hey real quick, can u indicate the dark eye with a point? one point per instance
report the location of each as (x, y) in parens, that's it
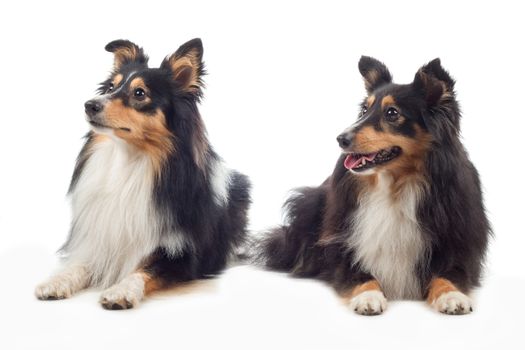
(110, 88)
(139, 93)
(391, 114)
(364, 110)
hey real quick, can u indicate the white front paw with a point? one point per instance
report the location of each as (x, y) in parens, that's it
(54, 289)
(371, 302)
(453, 303)
(65, 284)
(124, 295)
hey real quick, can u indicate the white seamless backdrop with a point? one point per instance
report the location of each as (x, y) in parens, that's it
(282, 83)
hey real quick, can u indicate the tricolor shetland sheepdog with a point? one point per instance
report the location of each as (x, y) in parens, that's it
(401, 216)
(152, 203)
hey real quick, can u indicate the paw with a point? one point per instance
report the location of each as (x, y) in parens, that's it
(119, 298)
(371, 302)
(125, 295)
(453, 303)
(63, 285)
(54, 289)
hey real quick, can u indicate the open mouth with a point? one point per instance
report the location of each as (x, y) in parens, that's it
(361, 161)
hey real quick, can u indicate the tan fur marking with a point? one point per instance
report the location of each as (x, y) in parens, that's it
(409, 166)
(439, 286)
(370, 100)
(365, 184)
(180, 62)
(370, 181)
(388, 100)
(187, 288)
(370, 285)
(411, 161)
(371, 78)
(180, 65)
(147, 132)
(364, 287)
(369, 140)
(428, 80)
(124, 53)
(117, 79)
(151, 284)
(385, 125)
(99, 138)
(446, 92)
(137, 82)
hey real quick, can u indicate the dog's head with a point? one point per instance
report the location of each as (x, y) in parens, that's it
(391, 132)
(136, 103)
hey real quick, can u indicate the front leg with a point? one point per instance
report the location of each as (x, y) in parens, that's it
(366, 298)
(446, 298)
(64, 284)
(161, 270)
(130, 291)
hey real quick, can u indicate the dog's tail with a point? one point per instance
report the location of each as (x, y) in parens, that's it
(273, 250)
(268, 250)
(244, 254)
(285, 248)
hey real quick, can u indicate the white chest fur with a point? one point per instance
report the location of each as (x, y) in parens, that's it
(115, 223)
(386, 238)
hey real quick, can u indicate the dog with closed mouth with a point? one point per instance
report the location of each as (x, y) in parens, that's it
(152, 202)
(401, 216)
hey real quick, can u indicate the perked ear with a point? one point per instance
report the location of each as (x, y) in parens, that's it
(186, 65)
(374, 73)
(434, 82)
(126, 52)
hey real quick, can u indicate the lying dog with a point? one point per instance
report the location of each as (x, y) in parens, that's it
(153, 204)
(401, 216)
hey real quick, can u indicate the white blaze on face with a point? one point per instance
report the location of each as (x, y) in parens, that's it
(123, 83)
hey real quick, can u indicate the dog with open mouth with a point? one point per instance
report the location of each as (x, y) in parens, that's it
(153, 204)
(401, 216)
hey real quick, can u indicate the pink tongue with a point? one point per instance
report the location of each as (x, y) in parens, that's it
(352, 161)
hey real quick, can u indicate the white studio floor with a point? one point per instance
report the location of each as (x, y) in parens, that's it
(246, 308)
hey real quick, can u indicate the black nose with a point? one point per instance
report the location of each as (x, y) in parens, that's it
(92, 107)
(345, 140)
